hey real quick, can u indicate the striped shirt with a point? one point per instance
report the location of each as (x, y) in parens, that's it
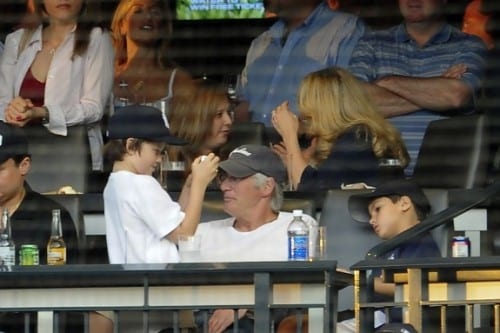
(275, 67)
(394, 52)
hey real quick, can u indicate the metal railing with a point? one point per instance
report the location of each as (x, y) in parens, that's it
(259, 286)
(469, 283)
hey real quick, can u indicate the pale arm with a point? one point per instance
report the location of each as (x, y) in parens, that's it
(185, 193)
(287, 125)
(383, 288)
(202, 173)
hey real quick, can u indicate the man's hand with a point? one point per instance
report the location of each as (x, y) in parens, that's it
(455, 71)
(222, 319)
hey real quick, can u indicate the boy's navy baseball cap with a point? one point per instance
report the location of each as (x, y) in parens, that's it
(13, 142)
(248, 160)
(358, 203)
(141, 122)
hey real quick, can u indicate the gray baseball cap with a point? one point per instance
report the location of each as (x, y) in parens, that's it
(248, 160)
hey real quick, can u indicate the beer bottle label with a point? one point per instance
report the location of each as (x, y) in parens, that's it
(56, 256)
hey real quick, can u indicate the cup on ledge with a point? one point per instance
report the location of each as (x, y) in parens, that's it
(319, 251)
(189, 248)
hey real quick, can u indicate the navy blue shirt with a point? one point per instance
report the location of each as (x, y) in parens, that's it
(351, 160)
(421, 247)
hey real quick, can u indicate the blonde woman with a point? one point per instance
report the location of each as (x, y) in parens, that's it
(144, 74)
(348, 137)
(201, 118)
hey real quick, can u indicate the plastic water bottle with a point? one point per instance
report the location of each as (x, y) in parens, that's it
(298, 237)
(7, 246)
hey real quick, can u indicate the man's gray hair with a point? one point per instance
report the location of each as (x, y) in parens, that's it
(277, 195)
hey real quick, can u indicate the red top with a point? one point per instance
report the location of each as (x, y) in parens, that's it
(33, 89)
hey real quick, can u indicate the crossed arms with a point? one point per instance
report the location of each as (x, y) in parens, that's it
(398, 95)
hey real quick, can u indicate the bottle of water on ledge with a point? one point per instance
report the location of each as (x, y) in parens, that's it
(7, 246)
(298, 237)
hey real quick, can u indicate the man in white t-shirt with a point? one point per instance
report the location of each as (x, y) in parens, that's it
(251, 180)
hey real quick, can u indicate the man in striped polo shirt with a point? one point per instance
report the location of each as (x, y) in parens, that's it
(421, 70)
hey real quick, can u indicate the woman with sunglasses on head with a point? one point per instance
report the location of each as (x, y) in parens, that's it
(56, 72)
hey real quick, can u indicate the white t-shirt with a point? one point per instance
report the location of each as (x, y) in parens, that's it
(220, 241)
(139, 214)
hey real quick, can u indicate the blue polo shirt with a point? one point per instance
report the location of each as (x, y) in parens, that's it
(275, 67)
(394, 52)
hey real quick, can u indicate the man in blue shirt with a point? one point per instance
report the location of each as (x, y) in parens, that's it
(308, 36)
(421, 70)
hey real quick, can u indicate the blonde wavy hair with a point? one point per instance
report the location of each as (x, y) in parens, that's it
(191, 115)
(332, 101)
(120, 41)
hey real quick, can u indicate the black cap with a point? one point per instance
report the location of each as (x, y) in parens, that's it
(248, 160)
(358, 203)
(141, 122)
(13, 142)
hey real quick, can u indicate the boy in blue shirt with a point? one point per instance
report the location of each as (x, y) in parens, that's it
(392, 208)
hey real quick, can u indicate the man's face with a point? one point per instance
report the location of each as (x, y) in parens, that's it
(385, 217)
(240, 194)
(12, 178)
(416, 11)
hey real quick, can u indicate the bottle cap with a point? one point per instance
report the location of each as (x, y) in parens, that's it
(297, 212)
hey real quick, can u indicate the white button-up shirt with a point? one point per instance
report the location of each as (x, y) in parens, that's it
(76, 90)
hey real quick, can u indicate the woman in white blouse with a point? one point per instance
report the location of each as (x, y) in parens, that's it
(57, 71)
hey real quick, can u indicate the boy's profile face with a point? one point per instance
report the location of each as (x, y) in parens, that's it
(148, 158)
(386, 216)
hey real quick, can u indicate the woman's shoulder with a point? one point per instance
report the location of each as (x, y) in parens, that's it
(100, 39)
(182, 76)
(99, 32)
(15, 34)
(183, 81)
(23, 33)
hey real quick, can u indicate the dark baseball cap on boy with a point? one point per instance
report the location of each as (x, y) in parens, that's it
(248, 160)
(13, 142)
(141, 122)
(358, 203)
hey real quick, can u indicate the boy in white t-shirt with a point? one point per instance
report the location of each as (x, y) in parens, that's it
(142, 222)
